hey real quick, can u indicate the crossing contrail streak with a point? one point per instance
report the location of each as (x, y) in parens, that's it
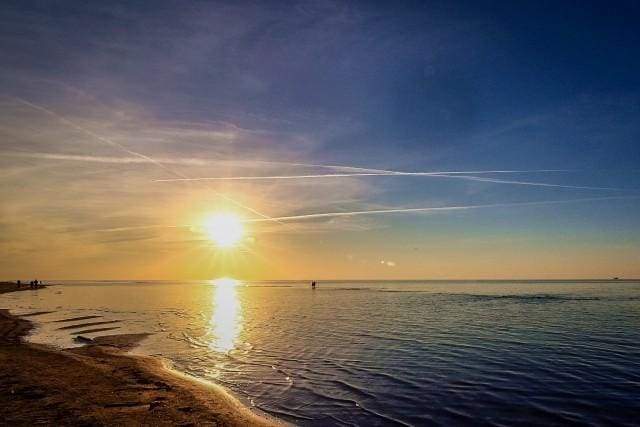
(454, 175)
(205, 162)
(390, 211)
(272, 177)
(121, 147)
(436, 209)
(394, 172)
(373, 172)
(536, 184)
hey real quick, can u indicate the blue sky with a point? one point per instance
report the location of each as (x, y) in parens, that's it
(422, 86)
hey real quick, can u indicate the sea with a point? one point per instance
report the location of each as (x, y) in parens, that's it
(368, 353)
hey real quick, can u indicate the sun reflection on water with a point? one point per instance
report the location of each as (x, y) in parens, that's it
(226, 320)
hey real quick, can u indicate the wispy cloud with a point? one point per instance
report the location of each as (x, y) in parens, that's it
(121, 147)
(104, 159)
(90, 133)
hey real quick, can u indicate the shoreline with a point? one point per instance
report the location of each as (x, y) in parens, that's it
(101, 384)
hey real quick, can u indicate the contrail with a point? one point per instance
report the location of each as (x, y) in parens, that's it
(131, 152)
(357, 169)
(205, 162)
(394, 172)
(271, 177)
(373, 172)
(390, 211)
(454, 175)
(536, 184)
(435, 209)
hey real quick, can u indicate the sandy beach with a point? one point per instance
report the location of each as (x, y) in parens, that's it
(99, 384)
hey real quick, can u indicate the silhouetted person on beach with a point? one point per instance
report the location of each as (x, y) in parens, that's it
(313, 284)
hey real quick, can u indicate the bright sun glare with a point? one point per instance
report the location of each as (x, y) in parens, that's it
(224, 229)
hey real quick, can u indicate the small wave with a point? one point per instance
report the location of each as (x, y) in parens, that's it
(326, 397)
(387, 418)
(353, 388)
(192, 341)
(533, 299)
(404, 291)
(285, 414)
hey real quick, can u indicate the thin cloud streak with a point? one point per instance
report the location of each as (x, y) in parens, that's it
(388, 211)
(536, 184)
(202, 162)
(438, 209)
(205, 162)
(140, 227)
(101, 159)
(454, 175)
(272, 177)
(374, 172)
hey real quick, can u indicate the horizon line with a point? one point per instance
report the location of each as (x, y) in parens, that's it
(558, 279)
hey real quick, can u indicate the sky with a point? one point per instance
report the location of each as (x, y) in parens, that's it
(518, 121)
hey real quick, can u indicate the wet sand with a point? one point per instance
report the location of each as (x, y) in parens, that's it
(99, 384)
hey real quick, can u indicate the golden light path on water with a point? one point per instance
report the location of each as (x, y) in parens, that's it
(226, 318)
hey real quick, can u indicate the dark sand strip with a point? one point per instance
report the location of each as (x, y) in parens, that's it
(74, 319)
(98, 385)
(84, 325)
(91, 331)
(37, 313)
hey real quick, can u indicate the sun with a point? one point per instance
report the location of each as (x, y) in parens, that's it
(224, 229)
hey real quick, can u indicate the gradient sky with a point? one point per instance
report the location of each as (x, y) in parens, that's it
(98, 100)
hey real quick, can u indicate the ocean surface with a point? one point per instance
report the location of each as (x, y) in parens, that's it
(379, 353)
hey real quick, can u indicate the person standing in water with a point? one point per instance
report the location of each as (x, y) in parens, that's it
(313, 284)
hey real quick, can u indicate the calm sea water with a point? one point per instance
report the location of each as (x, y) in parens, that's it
(380, 353)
